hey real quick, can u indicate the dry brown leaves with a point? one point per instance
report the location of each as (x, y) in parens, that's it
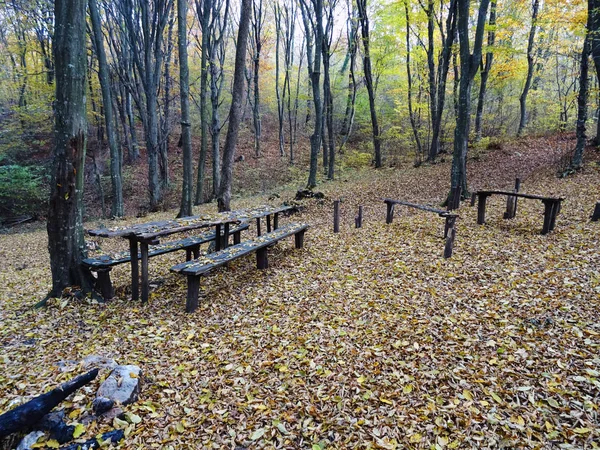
(365, 339)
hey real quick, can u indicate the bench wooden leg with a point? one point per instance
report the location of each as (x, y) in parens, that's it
(135, 274)
(193, 286)
(258, 233)
(473, 198)
(262, 261)
(237, 237)
(188, 254)
(299, 237)
(596, 214)
(481, 209)
(145, 282)
(390, 213)
(196, 251)
(218, 240)
(276, 221)
(268, 224)
(225, 236)
(555, 211)
(104, 284)
(548, 210)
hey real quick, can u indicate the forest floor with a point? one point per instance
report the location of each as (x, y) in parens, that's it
(363, 339)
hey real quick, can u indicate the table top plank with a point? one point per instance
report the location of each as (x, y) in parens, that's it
(152, 230)
(520, 194)
(440, 212)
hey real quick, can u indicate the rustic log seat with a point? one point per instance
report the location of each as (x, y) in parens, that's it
(103, 264)
(449, 227)
(207, 263)
(551, 207)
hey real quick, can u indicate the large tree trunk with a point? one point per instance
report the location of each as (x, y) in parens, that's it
(469, 64)
(235, 113)
(104, 77)
(184, 93)
(530, 67)
(315, 77)
(411, 114)
(593, 30)
(65, 221)
(364, 22)
(348, 121)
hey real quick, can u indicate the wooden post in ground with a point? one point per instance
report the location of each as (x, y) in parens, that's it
(390, 212)
(511, 202)
(449, 242)
(358, 219)
(145, 283)
(549, 208)
(481, 209)
(135, 271)
(336, 216)
(596, 214)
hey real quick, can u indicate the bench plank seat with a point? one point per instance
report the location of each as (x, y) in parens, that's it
(102, 264)
(207, 263)
(440, 212)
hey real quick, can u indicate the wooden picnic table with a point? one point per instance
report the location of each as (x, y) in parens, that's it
(142, 235)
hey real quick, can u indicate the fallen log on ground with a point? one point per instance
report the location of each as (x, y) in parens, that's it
(30, 413)
(115, 436)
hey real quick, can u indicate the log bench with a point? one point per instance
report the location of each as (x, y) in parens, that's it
(103, 264)
(207, 263)
(450, 220)
(552, 207)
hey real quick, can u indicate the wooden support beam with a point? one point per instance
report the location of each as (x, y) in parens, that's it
(237, 237)
(258, 232)
(268, 224)
(145, 283)
(548, 212)
(262, 261)
(276, 221)
(135, 274)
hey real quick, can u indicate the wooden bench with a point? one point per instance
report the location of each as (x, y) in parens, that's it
(103, 264)
(207, 263)
(450, 218)
(552, 207)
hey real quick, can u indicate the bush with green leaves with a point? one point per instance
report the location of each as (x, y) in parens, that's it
(23, 190)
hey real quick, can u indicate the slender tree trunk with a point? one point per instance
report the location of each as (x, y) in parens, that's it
(203, 9)
(530, 67)
(485, 70)
(594, 37)
(184, 92)
(582, 98)
(235, 113)
(103, 75)
(257, 23)
(364, 22)
(65, 218)
(280, 105)
(411, 113)
(348, 121)
(443, 69)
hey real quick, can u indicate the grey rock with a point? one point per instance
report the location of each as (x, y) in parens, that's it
(102, 404)
(28, 441)
(120, 386)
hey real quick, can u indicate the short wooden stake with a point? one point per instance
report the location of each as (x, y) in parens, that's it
(481, 209)
(358, 219)
(390, 212)
(449, 243)
(299, 237)
(596, 214)
(336, 216)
